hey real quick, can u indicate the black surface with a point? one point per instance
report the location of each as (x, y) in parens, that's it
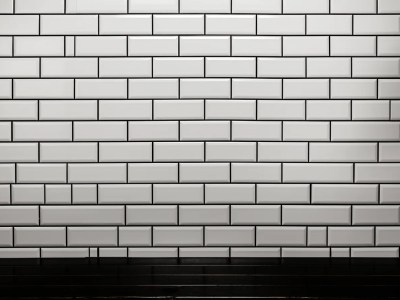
(199, 278)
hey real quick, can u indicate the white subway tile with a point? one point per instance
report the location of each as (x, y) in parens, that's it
(203, 46)
(178, 67)
(178, 110)
(67, 110)
(230, 67)
(153, 6)
(257, 88)
(18, 152)
(256, 214)
(329, 67)
(350, 236)
(82, 215)
(371, 215)
(344, 194)
(256, 172)
(177, 236)
(282, 152)
(153, 88)
(281, 67)
(353, 6)
(178, 193)
(376, 67)
(153, 131)
(19, 215)
(100, 131)
(6, 46)
(203, 172)
(281, 236)
(125, 110)
(39, 6)
(232, 151)
(353, 88)
(204, 130)
(5, 131)
(255, 46)
(68, 152)
(95, 6)
(92, 236)
(376, 24)
(40, 236)
(230, 193)
(317, 173)
(101, 88)
(329, 110)
(305, 6)
(230, 109)
(125, 151)
(306, 131)
(124, 193)
(41, 173)
(343, 152)
(204, 215)
(178, 24)
(389, 152)
(69, 67)
(388, 6)
(256, 6)
(329, 25)
(125, 67)
(19, 67)
(7, 6)
(28, 194)
(353, 45)
(229, 236)
(178, 151)
(101, 46)
(389, 89)
(205, 88)
(376, 173)
(316, 215)
(388, 46)
(42, 131)
(151, 215)
(205, 6)
(306, 46)
(153, 173)
(69, 25)
(365, 131)
(97, 173)
(43, 88)
(153, 46)
(19, 25)
(134, 236)
(371, 110)
(39, 46)
(256, 131)
(125, 24)
(231, 24)
(18, 110)
(58, 194)
(281, 24)
(306, 88)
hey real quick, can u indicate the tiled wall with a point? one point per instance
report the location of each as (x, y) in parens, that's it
(199, 128)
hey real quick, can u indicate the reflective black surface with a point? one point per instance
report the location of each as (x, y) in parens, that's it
(200, 278)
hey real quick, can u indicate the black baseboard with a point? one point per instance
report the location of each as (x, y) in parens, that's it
(192, 278)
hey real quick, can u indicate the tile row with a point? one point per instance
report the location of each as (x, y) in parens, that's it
(196, 236)
(196, 194)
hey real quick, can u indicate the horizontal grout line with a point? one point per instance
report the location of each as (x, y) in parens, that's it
(202, 13)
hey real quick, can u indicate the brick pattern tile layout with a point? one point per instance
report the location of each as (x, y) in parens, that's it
(199, 128)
